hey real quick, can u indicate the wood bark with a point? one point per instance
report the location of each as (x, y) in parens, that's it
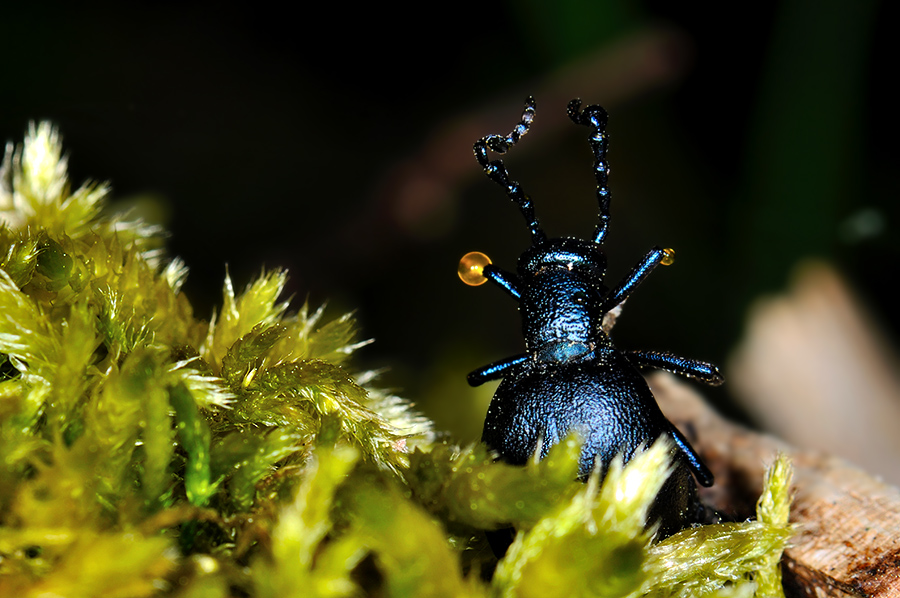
(848, 538)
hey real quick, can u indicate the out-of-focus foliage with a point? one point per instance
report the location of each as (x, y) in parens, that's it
(146, 452)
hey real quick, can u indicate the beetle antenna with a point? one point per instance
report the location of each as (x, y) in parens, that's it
(595, 117)
(496, 170)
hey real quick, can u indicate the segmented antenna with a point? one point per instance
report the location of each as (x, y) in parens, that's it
(496, 170)
(595, 117)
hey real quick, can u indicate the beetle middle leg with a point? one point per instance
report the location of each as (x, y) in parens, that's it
(691, 368)
(494, 371)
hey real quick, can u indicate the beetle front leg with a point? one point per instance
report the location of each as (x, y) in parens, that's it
(507, 281)
(494, 371)
(692, 368)
(634, 278)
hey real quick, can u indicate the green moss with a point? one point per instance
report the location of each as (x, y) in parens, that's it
(144, 451)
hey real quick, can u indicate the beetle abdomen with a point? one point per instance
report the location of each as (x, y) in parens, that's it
(608, 403)
(610, 406)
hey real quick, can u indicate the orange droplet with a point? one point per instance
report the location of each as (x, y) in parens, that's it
(669, 257)
(471, 268)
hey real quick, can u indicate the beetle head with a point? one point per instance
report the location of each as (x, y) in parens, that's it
(584, 258)
(560, 281)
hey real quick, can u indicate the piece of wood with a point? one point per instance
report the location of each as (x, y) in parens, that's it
(848, 539)
(815, 369)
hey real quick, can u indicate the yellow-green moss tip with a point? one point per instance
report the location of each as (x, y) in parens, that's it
(701, 561)
(146, 452)
(131, 428)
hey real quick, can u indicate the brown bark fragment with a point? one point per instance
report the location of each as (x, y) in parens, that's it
(848, 541)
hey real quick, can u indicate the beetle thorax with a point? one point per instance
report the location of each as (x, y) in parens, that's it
(561, 298)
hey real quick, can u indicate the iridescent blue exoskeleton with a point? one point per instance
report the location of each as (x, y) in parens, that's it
(571, 376)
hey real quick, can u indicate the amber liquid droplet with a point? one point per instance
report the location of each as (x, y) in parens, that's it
(669, 257)
(471, 268)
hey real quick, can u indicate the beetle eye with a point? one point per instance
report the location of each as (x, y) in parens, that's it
(471, 268)
(579, 297)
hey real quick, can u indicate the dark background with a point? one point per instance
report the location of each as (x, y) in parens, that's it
(761, 134)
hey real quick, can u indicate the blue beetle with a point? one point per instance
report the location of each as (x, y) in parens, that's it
(571, 376)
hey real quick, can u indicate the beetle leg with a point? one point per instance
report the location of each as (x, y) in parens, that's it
(692, 368)
(508, 281)
(493, 371)
(634, 278)
(701, 472)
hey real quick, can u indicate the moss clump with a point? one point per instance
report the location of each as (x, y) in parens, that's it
(146, 452)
